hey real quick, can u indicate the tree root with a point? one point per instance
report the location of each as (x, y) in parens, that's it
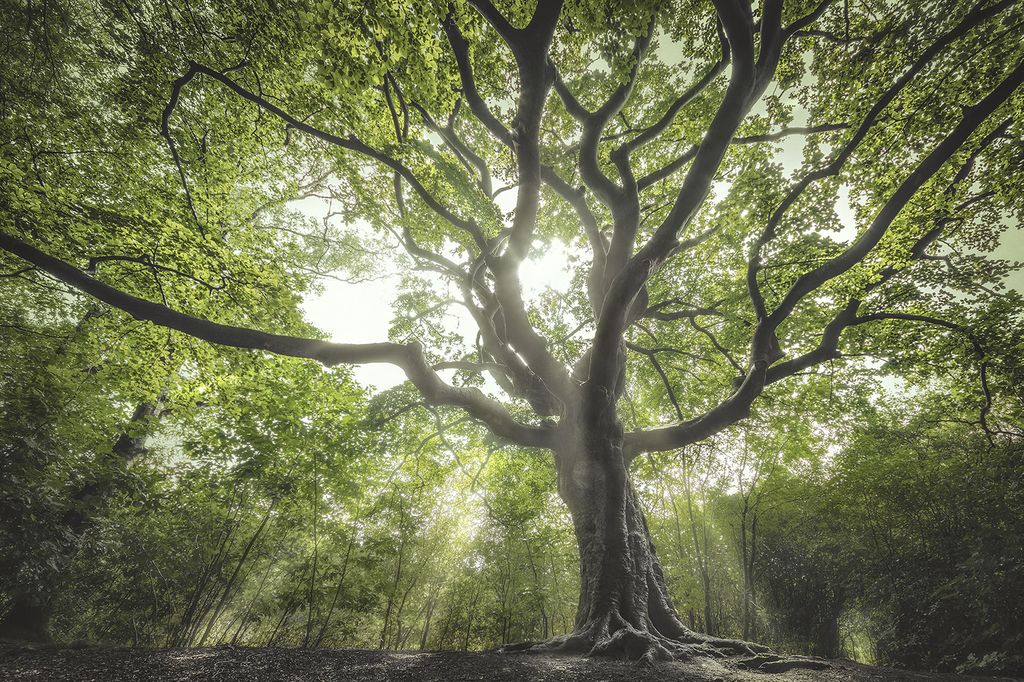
(730, 647)
(623, 641)
(771, 663)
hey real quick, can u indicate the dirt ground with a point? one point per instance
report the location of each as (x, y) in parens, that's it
(227, 664)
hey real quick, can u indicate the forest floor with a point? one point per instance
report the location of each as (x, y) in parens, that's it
(228, 664)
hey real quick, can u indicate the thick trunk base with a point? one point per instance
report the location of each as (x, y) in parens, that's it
(615, 637)
(620, 640)
(625, 610)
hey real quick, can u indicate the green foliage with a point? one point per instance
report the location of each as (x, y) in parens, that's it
(943, 570)
(274, 502)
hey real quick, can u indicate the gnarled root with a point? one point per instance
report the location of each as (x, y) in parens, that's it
(728, 647)
(771, 663)
(614, 637)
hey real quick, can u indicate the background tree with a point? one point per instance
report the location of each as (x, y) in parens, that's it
(644, 137)
(76, 411)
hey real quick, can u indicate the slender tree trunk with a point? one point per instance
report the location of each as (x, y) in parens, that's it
(448, 618)
(337, 593)
(559, 614)
(200, 600)
(702, 552)
(428, 615)
(310, 602)
(702, 564)
(285, 617)
(539, 588)
(745, 562)
(244, 618)
(401, 635)
(749, 548)
(470, 614)
(229, 587)
(398, 578)
(827, 642)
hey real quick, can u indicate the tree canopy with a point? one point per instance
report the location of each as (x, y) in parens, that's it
(776, 216)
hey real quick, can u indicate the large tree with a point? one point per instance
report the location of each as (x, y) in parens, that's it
(157, 143)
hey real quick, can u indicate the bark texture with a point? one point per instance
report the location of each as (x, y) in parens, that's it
(624, 609)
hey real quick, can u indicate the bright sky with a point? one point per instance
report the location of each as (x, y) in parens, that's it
(361, 312)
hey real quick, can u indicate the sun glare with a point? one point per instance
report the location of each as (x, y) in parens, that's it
(361, 310)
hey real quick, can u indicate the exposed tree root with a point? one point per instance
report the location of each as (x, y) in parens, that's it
(770, 663)
(629, 643)
(625, 643)
(728, 647)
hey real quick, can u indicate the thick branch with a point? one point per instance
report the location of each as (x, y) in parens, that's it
(972, 119)
(497, 20)
(735, 18)
(479, 109)
(623, 201)
(409, 357)
(737, 406)
(828, 347)
(351, 143)
(530, 47)
(477, 105)
(976, 16)
(594, 123)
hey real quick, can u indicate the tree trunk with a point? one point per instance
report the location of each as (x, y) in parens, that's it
(337, 593)
(749, 561)
(624, 606)
(425, 632)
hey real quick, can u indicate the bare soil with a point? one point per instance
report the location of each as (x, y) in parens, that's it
(227, 664)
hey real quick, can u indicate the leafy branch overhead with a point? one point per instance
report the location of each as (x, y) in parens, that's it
(617, 143)
(747, 197)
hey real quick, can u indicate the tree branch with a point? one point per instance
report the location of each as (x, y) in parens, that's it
(735, 18)
(409, 357)
(737, 406)
(652, 356)
(352, 143)
(976, 16)
(480, 110)
(671, 167)
(651, 133)
(477, 105)
(972, 119)
(165, 130)
(979, 352)
(530, 48)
